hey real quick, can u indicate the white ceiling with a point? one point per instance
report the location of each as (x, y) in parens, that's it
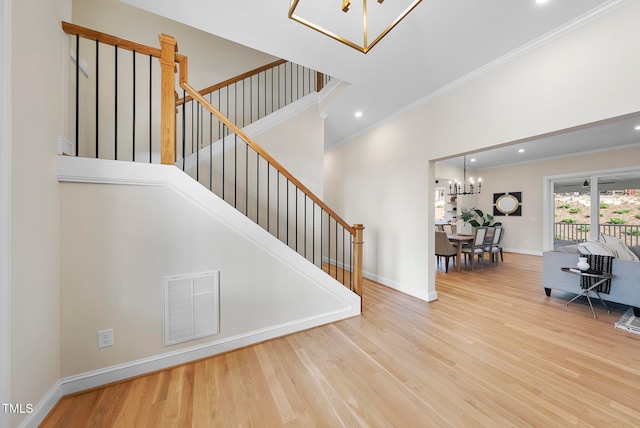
(615, 133)
(440, 43)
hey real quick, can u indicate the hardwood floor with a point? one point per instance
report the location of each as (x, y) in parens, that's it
(494, 350)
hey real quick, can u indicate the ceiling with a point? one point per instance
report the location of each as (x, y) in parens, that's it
(615, 133)
(440, 43)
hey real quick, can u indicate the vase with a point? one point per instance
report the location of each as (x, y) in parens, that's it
(465, 228)
(582, 263)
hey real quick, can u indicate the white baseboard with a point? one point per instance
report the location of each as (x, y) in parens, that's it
(527, 252)
(422, 295)
(43, 407)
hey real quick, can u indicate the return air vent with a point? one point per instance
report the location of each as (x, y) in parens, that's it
(191, 307)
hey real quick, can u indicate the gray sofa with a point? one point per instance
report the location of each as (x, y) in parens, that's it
(625, 286)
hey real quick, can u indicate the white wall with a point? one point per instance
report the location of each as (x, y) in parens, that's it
(5, 208)
(582, 77)
(297, 143)
(37, 83)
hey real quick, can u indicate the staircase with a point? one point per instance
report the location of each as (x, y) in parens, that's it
(116, 117)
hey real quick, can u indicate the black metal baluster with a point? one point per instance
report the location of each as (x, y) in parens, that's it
(235, 171)
(97, 96)
(192, 102)
(321, 236)
(223, 156)
(337, 249)
(351, 262)
(268, 196)
(257, 188)
(115, 134)
(313, 233)
(77, 95)
(210, 147)
(133, 137)
(246, 180)
(150, 106)
(198, 110)
(244, 93)
(184, 131)
(343, 253)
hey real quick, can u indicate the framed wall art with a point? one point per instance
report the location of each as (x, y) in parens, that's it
(507, 204)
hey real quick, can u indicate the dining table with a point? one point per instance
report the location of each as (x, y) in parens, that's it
(459, 240)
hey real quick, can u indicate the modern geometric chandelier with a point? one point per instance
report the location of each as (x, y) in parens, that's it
(353, 20)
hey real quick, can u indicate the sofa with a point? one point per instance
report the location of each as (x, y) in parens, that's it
(625, 285)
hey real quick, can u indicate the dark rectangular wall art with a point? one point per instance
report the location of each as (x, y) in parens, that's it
(507, 204)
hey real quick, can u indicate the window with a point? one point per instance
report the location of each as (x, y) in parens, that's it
(584, 207)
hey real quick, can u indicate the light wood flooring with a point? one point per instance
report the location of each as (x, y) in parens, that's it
(493, 351)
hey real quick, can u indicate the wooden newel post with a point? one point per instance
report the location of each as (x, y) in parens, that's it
(319, 81)
(169, 47)
(357, 258)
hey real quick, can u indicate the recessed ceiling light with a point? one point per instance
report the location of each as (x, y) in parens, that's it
(358, 114)
(473, 159)
(541, 1)
(521, 151)
(638, 128)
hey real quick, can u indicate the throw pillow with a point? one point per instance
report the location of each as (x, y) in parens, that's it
(618, 248)
(594, 247)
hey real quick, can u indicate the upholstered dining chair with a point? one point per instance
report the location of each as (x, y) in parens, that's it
(445, 249)
(492, 246)
(477, 246)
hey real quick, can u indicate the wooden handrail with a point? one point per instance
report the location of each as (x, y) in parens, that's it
(266, 156)
(108, 39)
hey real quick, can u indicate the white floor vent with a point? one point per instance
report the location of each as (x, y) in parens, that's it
(191, 307)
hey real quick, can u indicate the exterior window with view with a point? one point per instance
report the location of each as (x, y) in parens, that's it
(613, 209)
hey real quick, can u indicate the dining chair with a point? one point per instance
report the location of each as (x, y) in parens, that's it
(445, 249)
(448, 228)
(492, 246)
(477, 246)
(500, 244)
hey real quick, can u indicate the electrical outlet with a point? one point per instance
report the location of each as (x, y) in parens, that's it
(105, 338)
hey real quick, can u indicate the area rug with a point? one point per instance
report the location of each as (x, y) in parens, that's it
(629, 322)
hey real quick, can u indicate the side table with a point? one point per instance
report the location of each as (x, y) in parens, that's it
(602, 278)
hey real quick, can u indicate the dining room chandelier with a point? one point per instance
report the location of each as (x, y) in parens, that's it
(456, 189)
(351, 21)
